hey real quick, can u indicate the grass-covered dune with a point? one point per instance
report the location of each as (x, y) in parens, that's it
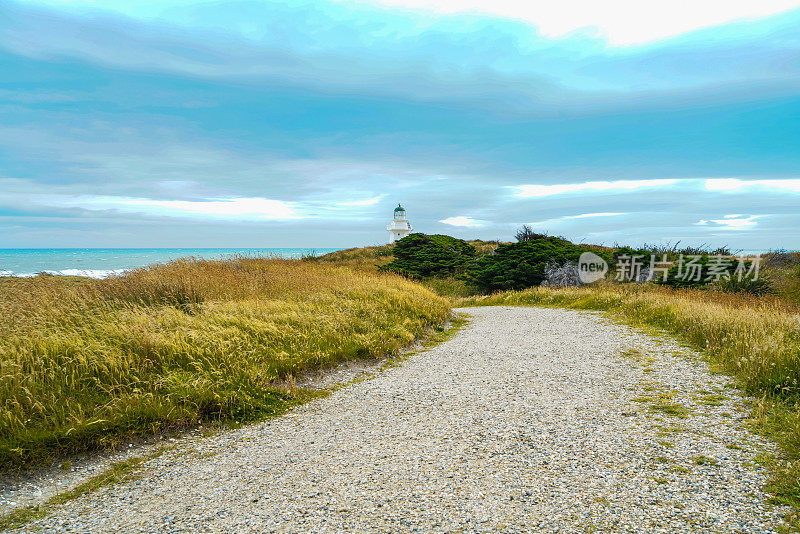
(374, 257)
(363, 258)
(377, 258)
(84, 363)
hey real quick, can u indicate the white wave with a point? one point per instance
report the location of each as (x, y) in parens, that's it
(96, 273)
(89, 273)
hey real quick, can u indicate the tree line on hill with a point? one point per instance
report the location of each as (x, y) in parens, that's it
(540, 259)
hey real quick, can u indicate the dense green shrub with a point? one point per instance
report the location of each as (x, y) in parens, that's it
(426, 256)
(754, 286)
(521, 265)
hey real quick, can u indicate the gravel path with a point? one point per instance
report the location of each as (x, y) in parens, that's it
(528, 420)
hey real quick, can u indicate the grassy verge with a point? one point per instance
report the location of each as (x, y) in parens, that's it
(86, 363)
(754, 339)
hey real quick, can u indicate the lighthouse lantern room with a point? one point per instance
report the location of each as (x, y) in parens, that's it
(399, 227)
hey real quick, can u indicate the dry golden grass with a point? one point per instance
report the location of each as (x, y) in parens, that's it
(365, 258)
(783, 274)
(84, 362)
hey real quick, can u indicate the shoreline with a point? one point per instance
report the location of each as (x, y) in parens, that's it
(103, 262)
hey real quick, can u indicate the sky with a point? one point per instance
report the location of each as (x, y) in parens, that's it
(252, 123)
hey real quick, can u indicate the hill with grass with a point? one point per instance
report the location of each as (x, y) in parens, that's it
(440, 263)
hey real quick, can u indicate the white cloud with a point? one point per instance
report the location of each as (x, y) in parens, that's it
(600, 214)
(736, 185)
(732, 222)
(565, 221)
(617, 186)
(717, 185)
(468, 222)
(230, 209)
(623, 22)
(367, 202)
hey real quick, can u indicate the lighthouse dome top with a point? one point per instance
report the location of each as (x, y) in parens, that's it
(399, 208)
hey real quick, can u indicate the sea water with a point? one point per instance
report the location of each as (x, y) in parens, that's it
(101, 262)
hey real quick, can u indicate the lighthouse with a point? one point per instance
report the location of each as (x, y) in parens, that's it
(399, 227)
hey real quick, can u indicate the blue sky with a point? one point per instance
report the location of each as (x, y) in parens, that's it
(253, 123)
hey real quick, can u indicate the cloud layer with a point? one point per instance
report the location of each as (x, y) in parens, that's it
(304, 123)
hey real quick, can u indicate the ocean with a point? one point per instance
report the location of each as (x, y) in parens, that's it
(102, 262)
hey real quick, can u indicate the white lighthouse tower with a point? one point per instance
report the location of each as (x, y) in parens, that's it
(399, 227)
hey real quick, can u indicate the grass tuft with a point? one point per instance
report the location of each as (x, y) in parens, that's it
(704, 460)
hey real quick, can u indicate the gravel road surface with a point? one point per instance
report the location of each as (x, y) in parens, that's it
(528, 420)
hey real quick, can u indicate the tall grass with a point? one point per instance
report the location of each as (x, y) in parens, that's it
(450, 288)
(86, 362)
(755, 339)
(365, 258)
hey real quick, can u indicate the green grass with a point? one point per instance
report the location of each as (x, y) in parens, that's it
(87, 363)
(709, 399)
(661, 401)
(670, 408)
(704, 460)
(449, 287)
(645, 360)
